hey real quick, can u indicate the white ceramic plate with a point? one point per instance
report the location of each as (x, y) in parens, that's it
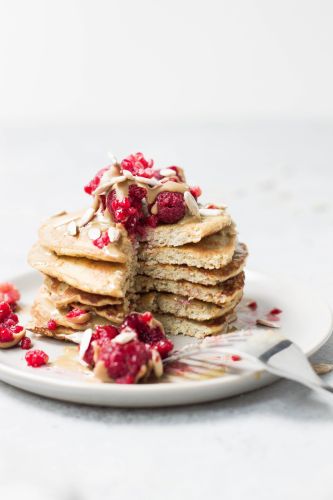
(306, 320)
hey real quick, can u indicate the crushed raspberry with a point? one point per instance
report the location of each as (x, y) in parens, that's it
(26, 343)
(36, 358)
(138, 165)
(8, 323)
(195, 191)
(101, 335)
(152, 221)
(102, 241)
(124, 361)
(252, 305)
(128, 211)
(52, 325)
(74, 313)
(149, 334)
(9, 294)
(275, 311)
(170, 207)
(6, 335)
(94, 183)
(235, 357)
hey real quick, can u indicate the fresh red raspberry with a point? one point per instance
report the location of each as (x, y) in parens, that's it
(164, 347)
(94, 183)
(9, 294)
(275, 311)
(138, 165)
(52, 325)
(170, 207)
(26, 343)
(124, 361)
(6, 335)
(195, 191)
(129, 210)
(101, 335)
(36, 358)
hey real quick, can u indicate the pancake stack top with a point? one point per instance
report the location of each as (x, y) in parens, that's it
(145, 244)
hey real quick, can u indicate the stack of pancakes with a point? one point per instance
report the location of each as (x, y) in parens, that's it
(189, 274)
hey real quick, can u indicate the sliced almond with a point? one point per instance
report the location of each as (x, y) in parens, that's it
(267, 322)
(72, 228)
(322, 368)
(127, 335)
(145, 180)
(114, 234)
(103, 187)
(128, 174)
(191, 204)
(86, 217)
(85, 342)
(210, 212)
(157, 363)
(167, 172)
(66, 221)
(94, 233)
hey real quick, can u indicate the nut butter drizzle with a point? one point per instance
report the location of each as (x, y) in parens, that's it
(118, 179)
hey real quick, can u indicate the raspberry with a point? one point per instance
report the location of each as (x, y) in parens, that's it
(52, 325)
(171, 207)
(275, 311)
(252, 305)
(129, 210)
(195, 191)
(74, 313)
(6, 335)
(94, 183)
(138, 165)
(9, 294)
(149, 334)
(26, 343)
(101, 335)
(36, 358)
(102, 241)
(152, 221)
(124, 361)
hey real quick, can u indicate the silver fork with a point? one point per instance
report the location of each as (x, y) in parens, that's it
(258, 349)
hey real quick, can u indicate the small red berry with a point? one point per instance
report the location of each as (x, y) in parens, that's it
(138, 165)
(6, 335)
(36, 358)
(52, 325)
(90, 188)
(235, 357)
(26, 343)
(170, 207)
(195, 191)
(252, 305)
(275, 311)
(9, 294)
(146, 317)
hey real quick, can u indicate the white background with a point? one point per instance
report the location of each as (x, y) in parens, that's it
(238, 93)
(120, 60)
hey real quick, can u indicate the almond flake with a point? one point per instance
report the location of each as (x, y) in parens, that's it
(86, 217)
(146, 180)
(128, 174)
(114, 234)
(166, 172)
(322, 368)
(210, 212)
(127, 335)
(94, 233)
(85, 342)
(102, 188)
(191, 204)
(72, 228)
(157, 363)
(266, 322)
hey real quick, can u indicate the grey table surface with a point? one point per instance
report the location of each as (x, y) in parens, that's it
(277, 179)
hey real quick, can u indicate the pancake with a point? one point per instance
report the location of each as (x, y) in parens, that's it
(191, 328)
(181, 307)
(212, 252)
(188, 230)
(63, 294)
(203, 276)
(219, 295)
(53, 235)
(103, 278)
